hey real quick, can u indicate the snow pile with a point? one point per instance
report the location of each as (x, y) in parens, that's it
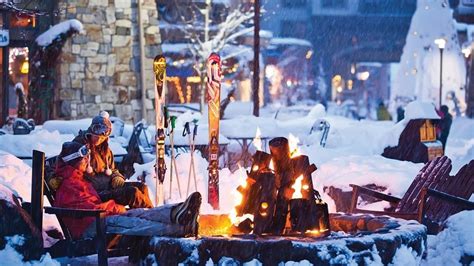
(48, 142)
(15, 178)
(15, 175)
(67, 127)
(43, 140)
(47, 37)
(405, 256)
(454, 242)
(339, 172)
(420, 110)
(460, 144)
(11, 257)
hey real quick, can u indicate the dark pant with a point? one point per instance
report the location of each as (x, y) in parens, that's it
(133, 194)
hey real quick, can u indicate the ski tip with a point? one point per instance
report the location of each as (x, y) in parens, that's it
(159, 64)
(160, 57)
(214, 57)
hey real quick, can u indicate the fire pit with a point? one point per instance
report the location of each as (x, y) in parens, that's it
(281, 217)
(354, 238)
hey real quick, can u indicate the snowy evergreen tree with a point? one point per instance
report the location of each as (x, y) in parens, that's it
(419, 73)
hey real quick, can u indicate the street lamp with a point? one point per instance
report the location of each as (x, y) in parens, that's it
(441, 45)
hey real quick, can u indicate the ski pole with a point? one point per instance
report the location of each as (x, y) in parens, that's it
(193, 149)
(187, 131)
(173, 158)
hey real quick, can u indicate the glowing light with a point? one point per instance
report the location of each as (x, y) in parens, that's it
(440, 42)
(193, 79)
(466, 51)
(264, 205)
(293, 143)
(257, 141)
(309, 54)
(25, 67)
(297, 187)
(363, 75)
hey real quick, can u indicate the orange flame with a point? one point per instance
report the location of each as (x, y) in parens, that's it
(238, 199)
(293, 143)
(297, 187)
(257, 141)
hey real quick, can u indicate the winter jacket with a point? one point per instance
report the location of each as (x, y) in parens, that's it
(101, 159)
(76, 193)
(383, 114)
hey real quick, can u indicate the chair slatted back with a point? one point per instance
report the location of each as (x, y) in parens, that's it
(433, 175)
(461, 185)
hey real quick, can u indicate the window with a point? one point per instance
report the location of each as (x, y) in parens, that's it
(333, 3)
(294, 3)
(22, 21)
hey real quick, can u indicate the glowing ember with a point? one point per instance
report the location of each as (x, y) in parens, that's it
(297, 187)
(293, 143)
(257, 141)
(271, 166)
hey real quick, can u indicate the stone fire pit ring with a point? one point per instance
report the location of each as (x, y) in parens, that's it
(354, 239)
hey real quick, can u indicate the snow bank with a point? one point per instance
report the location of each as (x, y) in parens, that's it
(15, 175)
(454, 242)
(67, 127)
(22, 145)
(47, 37)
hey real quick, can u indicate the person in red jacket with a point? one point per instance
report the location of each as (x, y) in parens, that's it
(75, 192)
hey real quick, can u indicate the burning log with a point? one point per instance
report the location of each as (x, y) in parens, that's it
(277, 185)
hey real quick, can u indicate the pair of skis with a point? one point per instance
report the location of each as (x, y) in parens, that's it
(162, 118)
(213, 85)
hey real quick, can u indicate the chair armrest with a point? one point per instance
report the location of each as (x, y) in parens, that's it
(426, 192)
(376, 194)
(74, 213)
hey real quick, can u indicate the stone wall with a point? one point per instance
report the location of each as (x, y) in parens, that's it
(100, 70)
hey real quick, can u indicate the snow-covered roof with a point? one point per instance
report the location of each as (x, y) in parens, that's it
(420, 110)
(290, 41)
(47, 37)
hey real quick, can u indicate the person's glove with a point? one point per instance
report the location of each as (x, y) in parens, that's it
(55, 182)
(117, 181)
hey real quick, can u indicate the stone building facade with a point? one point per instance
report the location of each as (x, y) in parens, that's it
(100, 69)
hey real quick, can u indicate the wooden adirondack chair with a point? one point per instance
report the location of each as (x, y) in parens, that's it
(42, 172)
(432, 197)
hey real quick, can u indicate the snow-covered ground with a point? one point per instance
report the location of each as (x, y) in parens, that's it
(352, 155)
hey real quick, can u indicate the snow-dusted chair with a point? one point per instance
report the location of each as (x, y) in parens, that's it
(432, 197)
(67, 246)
